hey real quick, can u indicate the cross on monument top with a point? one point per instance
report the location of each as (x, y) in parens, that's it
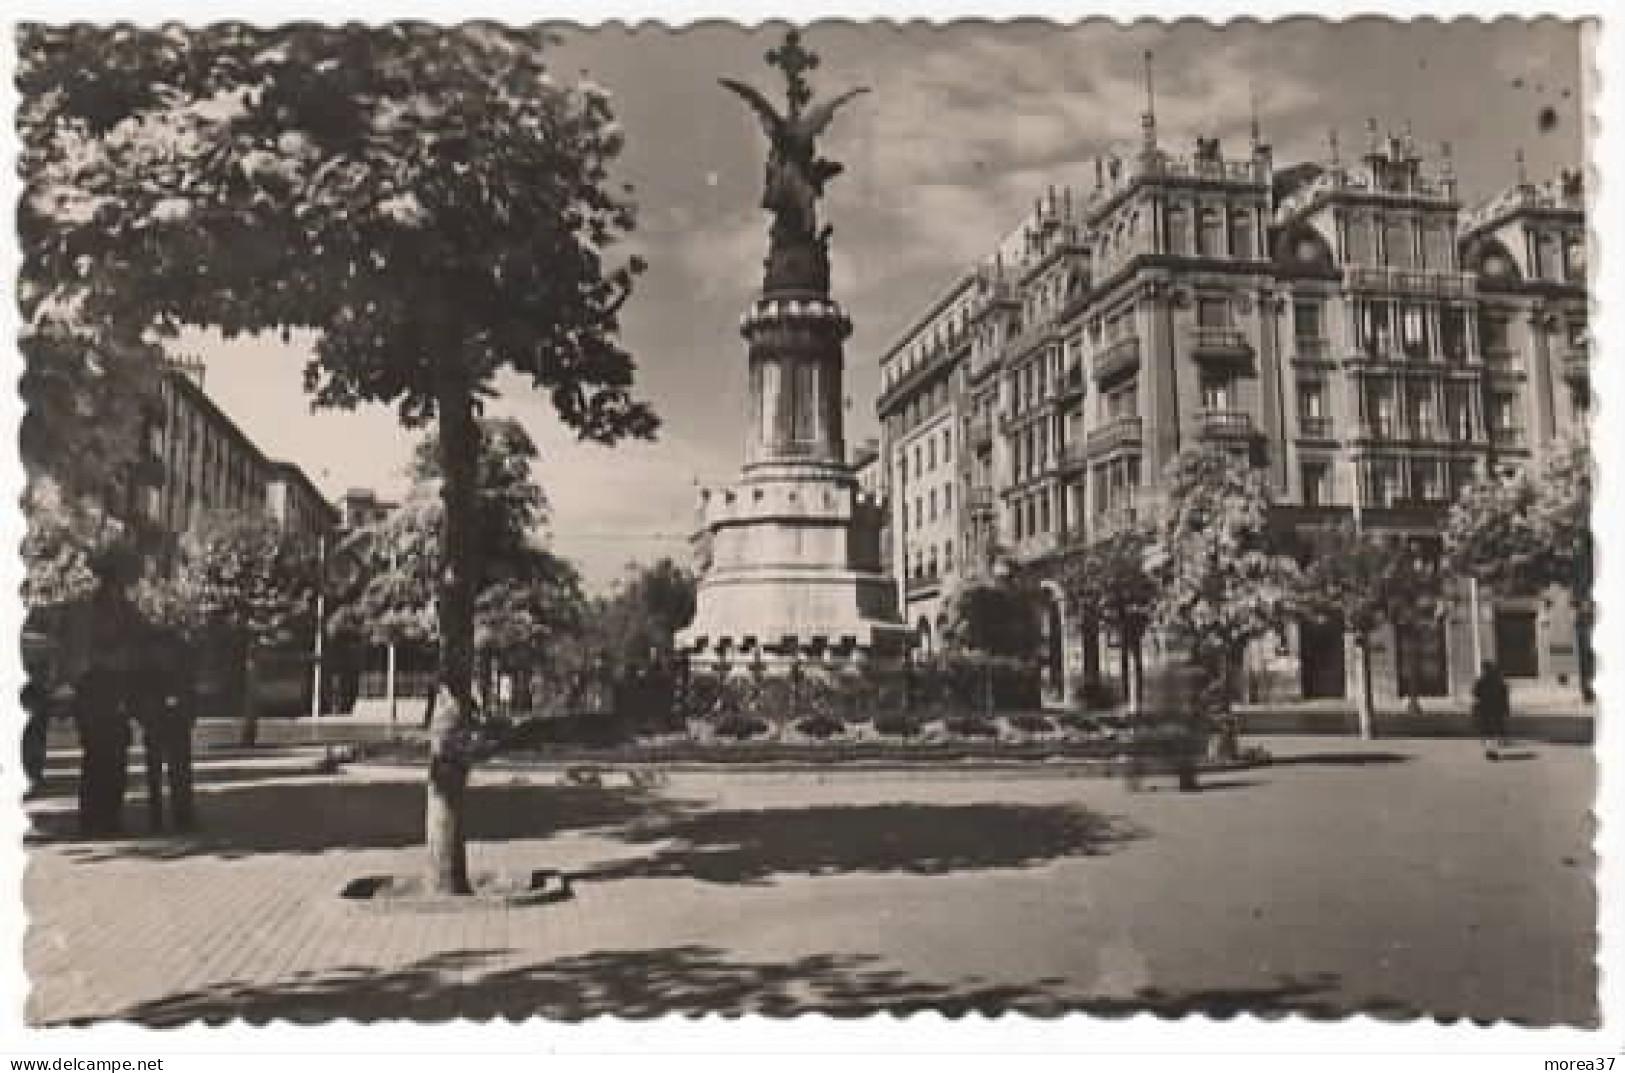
(795, 61)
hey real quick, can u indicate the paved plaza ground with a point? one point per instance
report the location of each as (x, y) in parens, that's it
(1396, 877)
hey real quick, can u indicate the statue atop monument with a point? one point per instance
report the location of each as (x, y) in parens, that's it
(798, 253)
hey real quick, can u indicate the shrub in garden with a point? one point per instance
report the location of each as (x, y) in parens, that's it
(739, 726)
(1032, 723)
(969, 726)
(821, 726)
(1082, 724)
(896, 725)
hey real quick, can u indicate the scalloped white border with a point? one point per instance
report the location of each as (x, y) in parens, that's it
(807, 1042)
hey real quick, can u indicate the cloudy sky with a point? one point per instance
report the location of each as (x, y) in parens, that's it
(965, 126)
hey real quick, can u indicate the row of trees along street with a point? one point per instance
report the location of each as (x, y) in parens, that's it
(431, 202)
(438, 209)
(1217, 573)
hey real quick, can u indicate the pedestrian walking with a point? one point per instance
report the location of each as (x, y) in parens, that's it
(1492, 709)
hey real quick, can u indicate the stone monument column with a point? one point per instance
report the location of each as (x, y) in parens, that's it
(792, 545)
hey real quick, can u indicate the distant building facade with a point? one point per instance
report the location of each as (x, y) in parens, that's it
(1344, 323)
(204, 462)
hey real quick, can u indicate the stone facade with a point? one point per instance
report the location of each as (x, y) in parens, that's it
(1345, 322)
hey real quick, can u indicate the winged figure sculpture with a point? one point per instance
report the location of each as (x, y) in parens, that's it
(796, 174)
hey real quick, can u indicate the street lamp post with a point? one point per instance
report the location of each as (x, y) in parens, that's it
(321, 608)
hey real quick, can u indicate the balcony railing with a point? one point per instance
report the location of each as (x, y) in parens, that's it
(1224, 343)
(1508, 436)
(1114, 519)
(1120, 357)
(1409, 281)
(980, 499)
(1576, 363)
(1311, 349)
(1072, 384)
(981, 429)
(923, 582)
(1225, 424)
(1120, 432)
(1315, 428)
(1073, 456)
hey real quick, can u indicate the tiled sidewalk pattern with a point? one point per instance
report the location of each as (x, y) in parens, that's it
(1396, 877)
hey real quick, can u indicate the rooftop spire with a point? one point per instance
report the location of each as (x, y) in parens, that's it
(1523, 172)
(1331, 141)
(1373, 141)
(1148, 122)
(1252, 114)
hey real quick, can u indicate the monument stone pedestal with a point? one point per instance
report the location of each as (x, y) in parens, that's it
(794, 571)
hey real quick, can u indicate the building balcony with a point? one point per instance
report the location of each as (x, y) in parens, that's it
(1509, 437)
(1073, 456)
(1575, 363)
(1117, 434)
(1409, 281)
(922, 584)
(1315, 428)
(1073, 385)
(980, 500)
(1219, 344)
(1225, 425)
(1118, 359)
(981, 430)
(1318, 350)
(1114, 519)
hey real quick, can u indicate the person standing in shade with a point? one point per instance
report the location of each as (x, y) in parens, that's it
(158, 697)
(104, 737)
(1492, 709)
(36, 728)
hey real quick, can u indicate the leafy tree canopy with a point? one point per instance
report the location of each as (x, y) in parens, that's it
(1107, 582)
(1221, 578)
(1525, 530)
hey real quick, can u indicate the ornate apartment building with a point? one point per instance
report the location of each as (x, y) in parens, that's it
(1345, 322)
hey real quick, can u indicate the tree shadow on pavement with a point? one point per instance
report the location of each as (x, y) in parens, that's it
(689, 980)
(752, 846)
(315, 815)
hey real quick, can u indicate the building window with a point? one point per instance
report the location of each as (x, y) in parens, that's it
(948, 556)
(1372, 328)
(1210, 234)
(1215, 392)
(1453, 333)
(1316, 484)
(1399, 242)
(1574, 258)
(1413, 331)
(1043, 513)
(1438, 251)
(1306, 320)
(1548, 259)
(1493, 337)
(1213, 311)
(1360, 245)
(932, 501)
(1241, 234)
(1179, 230)
(947, 499)
(931, 454)
(947, 445)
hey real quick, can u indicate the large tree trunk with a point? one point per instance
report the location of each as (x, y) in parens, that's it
(1365, 705)
(452, 723)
